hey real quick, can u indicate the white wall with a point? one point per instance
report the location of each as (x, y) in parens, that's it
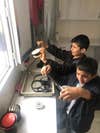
(68, 29)
(79, 16)
(8, 90)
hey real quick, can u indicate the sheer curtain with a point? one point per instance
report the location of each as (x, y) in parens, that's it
(43, 19)
(50, 9)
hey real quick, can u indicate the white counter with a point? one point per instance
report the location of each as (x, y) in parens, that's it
(35, 119)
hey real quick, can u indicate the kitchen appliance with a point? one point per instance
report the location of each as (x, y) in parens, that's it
(35, 84)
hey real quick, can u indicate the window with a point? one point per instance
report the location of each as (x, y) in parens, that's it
(5, 60)
(7, 39)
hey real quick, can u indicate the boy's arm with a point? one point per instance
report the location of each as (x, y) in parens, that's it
(59, 53)
(61, 69)
(69, 93)
(56, 67)
(54, 50)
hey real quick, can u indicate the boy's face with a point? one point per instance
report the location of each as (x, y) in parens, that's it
(76, 50)
(83, 77)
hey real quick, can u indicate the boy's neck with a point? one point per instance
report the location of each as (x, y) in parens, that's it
(75, 57)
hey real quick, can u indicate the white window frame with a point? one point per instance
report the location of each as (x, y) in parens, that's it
(13, 30)
(11, 38)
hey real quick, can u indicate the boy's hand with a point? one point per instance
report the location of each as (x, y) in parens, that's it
(46, 70)
(43, 55)
(42, 44)
(69, 93)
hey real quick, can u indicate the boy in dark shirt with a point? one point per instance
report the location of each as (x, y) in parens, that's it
(81, 95)
(79, 46)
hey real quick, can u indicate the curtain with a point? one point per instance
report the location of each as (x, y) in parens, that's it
(50, 8)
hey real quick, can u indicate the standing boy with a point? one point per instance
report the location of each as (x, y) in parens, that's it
(82, 95)
(79, 46)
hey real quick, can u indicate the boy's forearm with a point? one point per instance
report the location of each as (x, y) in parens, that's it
(85, 93)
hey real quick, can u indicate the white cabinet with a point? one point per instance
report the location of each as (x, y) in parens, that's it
(79, 9)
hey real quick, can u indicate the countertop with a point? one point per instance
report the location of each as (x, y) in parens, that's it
(38, 115)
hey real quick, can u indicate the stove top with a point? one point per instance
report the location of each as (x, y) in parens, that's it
(37, 85)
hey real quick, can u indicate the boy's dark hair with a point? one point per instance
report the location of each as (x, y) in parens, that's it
(81, 40)
(89, 65)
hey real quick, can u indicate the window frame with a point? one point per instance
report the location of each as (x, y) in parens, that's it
(11, 38)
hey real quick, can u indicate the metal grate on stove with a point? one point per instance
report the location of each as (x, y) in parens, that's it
(41, 83)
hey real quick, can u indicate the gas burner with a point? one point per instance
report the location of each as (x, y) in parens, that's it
(41, 83)
(37, 85)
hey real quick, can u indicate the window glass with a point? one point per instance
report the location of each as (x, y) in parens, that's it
(6, 56)
(4, 62)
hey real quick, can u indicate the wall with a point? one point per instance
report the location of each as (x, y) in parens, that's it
(68, 29)
(79, 16)
(8, 90)
(79, 9)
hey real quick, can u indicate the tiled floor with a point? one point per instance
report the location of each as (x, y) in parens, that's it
(96, 123)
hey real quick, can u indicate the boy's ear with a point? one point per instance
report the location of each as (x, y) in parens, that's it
(83, 50)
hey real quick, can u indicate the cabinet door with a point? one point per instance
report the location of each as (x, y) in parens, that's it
(79, 9)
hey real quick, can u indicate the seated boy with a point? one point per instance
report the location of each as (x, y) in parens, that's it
(81, 95)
